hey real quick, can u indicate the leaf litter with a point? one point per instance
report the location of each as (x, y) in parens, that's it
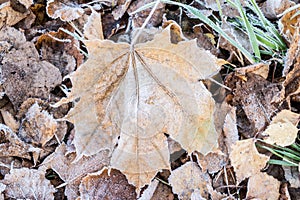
(130, 100)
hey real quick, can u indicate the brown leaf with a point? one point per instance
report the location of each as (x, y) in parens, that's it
(263, 186)
(121, 8)
(65, 10)
(255, 99)
(71, 172)
(246, 160)
(27, 184)
(283, 129)
(38, 127)
(189, 178)
(26, 76)
(140, 94)
(106, 186)
(212, 162)
(292, 57)
(289, 26)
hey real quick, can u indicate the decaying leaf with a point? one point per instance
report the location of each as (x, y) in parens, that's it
(106, 186)
(256, 101)
(291, 174)
(65, 10)
(121, 8)
(27, 183)
(272, 8)
(72, 172)
(263, 186)
(283, 129)
(189, 178)
(139, 93)
(38, 127)
(26, 76)
(289, 24)
(230, 130)
(8, 16)
(9, 120)
(246, 160)
(212, 162)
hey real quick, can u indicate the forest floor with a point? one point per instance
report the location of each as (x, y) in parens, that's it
(94, 107)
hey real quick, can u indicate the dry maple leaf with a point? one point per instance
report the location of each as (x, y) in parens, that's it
(246, 160)
(139, 93)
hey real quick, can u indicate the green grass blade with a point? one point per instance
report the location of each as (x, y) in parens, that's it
(249, 30)
(282, 162)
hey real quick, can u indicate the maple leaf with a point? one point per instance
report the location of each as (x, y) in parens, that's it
(138, 93)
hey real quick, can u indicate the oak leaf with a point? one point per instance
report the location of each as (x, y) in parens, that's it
(138, 93)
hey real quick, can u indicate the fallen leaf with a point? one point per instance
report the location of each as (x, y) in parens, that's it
(231, 135)
(261, 69)
(106, 186)
(10, 17)
(121, 8)
(291, 174)
(149, 191)
(139, 94)
(93, 27)
(246, 160)
(212, 162)
(263, 186)
(139, 18)
(289, 24)
(27, 184)
(26, 76)
(9, 120)
(256, 101)
(188, 178)
(65, 10)
(272, 8)
(38, 127)
(71, 172)
(283, 129)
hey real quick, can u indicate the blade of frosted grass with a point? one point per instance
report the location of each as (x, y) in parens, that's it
(282, 162)
(249, 29)
(296, 146)
(218, 29)
(289, 10)
(269, 26)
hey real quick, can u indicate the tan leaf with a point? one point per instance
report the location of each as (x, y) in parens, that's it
(246, 160)
(8, 16)
(292, 56)
(27, 183)
(120, 9)
(283, 128)
(263, 186)
(189, 178)
(106, 186)
(289, 26)
(212, 162)
(9, 120)
(38, 127)
(230, 130)
(93, 27)
(65, 10)
(72, 172)
(139, 94)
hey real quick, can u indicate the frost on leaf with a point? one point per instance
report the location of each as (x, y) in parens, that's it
(65, 10)
(139, 94)
(263, 186)
(106, 186)
(61, 161)
(189, 178)
(27, 183)
(283, 128)
(246, 160)
(38, 127)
